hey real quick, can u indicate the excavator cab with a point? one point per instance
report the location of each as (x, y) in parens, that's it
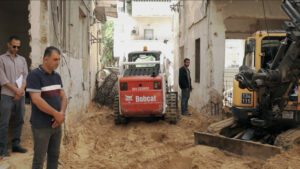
(265, 94)
(260, 49)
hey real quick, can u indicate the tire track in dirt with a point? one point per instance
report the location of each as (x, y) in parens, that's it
(98, 143)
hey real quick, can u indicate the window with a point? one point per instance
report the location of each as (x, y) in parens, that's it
(197, 60)
(269, 48)
(148, 34)
(145, 58)
(249, 58)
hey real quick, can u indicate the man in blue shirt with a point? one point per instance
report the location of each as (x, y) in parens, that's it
(48, 109)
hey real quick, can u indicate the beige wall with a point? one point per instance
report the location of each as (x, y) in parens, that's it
(125, 41)
(242, 18)
(161, 27)
(95, 65)
(70, 31)
(206, 26)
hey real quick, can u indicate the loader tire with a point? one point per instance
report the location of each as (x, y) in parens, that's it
(171, 115)
(118, 118)
(288, 138)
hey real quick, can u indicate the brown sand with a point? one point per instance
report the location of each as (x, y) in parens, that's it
(96, 143)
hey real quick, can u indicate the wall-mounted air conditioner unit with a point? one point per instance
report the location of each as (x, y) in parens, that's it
(135, 31)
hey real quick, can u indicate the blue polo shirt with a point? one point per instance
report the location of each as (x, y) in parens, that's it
(49, 85)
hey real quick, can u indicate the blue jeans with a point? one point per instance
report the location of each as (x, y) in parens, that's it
(7, 105)
(185, 95)
(46, 141)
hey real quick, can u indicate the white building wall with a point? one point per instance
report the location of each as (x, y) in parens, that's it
(234, 52)
(124, 39)
(160, 21)
(78, 64)
(205, 26)
(154, 8)
(161, 26)
(234, 55)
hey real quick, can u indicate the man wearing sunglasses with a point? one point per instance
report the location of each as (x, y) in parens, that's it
(13, 74)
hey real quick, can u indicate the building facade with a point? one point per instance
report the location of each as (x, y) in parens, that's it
(202, 28)
(70, 26)
(145, 23)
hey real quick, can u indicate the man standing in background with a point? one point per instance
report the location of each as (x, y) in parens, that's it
(185, 85)
(13, 73)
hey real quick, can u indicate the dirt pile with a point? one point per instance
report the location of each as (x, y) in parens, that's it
(287, 160)
(96, 143)
(108, 90)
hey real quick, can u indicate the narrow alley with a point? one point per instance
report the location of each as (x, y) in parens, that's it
(96, 143)
(149, 84)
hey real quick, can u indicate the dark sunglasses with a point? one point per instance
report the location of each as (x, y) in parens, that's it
(17, 47)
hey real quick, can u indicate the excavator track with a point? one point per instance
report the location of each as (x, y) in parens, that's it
(288, 138)
(172, 108)
(118, 118)
(217, 127)
(224, 134)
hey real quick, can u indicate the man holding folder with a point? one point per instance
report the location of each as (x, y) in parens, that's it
(13, 73)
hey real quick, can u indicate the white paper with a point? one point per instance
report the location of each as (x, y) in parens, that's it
(19, 81)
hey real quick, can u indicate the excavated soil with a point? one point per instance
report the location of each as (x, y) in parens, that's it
(96, 143)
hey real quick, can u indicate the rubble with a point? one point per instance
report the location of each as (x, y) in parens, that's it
(106, 92)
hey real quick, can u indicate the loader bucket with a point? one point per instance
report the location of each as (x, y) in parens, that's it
(241, 147)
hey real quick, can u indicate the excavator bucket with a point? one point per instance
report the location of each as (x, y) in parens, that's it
(237, 146)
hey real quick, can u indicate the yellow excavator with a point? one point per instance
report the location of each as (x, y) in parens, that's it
(266, 104)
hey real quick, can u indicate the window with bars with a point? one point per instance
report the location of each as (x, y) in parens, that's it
(148, 34)
(197, 60)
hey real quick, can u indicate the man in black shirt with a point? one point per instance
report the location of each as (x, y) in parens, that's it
(48, 109)
(185, 85)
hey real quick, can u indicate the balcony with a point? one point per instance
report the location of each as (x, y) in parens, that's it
(106, 8)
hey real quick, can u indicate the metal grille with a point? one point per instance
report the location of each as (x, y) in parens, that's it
(142, 71)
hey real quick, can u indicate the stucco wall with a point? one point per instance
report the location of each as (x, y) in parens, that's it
(123, 37)
(95, 65)
(242, 18)
(161, 27)
(153, 8)
(70, 33)
(212, 51)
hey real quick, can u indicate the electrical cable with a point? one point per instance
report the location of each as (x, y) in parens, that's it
(58, 40)
(263, 5)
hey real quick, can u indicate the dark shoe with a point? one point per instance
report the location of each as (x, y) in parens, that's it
(5, 154)
(19, 149)
(186, 114)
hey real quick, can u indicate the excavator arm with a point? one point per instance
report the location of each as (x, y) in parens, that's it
(274, 82)
(272, 85)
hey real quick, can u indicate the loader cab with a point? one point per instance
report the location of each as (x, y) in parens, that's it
(143, 69)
